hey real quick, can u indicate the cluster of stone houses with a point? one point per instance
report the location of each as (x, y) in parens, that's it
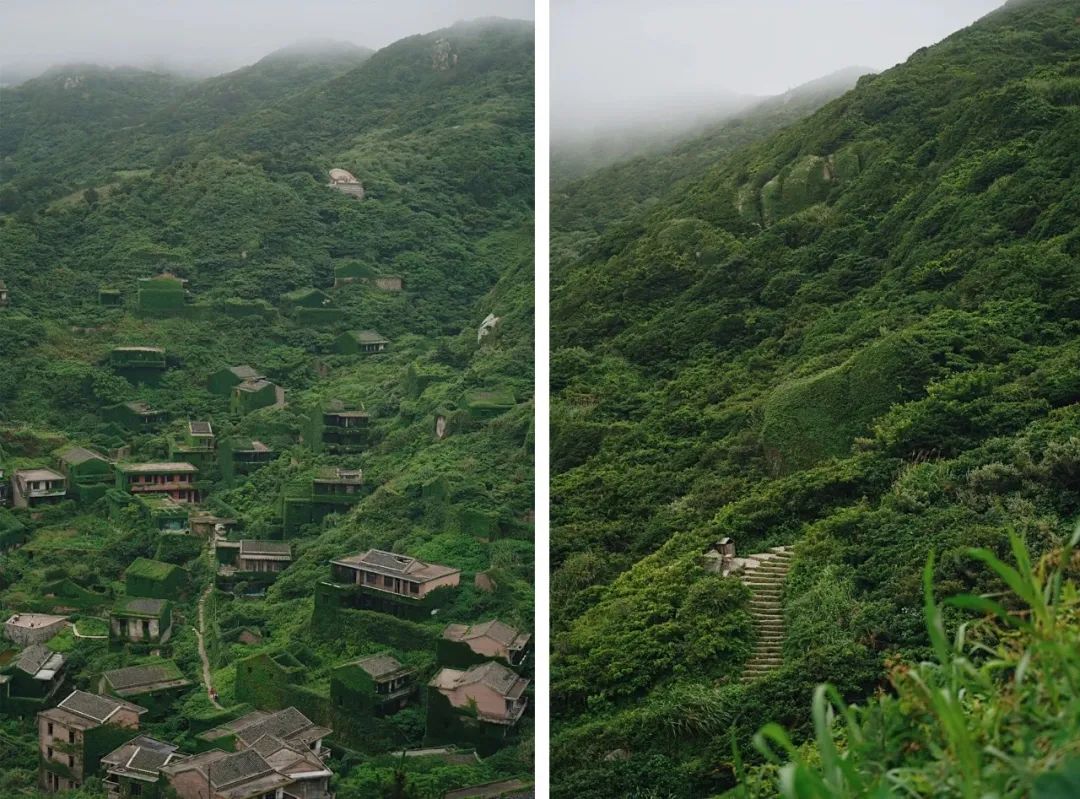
(476, 679)
(257, 756)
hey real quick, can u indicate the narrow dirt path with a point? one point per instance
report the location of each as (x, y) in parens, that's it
(202, 646)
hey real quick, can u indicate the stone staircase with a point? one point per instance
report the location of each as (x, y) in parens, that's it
(764, 574)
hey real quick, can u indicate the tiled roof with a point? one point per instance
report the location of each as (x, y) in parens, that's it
(244, 371)
(381, 666)
(284, 724)
(33, 658)
(492, 674)
(497, 631)
(141, 757)
(77, 455)
(369, 337)
(140, 679)
(237, 767)
(38, 474)
(146, 468)
(96, 707)
(142, 606)
(256, 547)
(200, 428)
(388, 563)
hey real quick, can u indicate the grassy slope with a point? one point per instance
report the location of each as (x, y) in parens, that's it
(858, 336)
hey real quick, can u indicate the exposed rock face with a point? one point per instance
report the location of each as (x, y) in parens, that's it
(443, 56)
(491, 321)
(346, 183)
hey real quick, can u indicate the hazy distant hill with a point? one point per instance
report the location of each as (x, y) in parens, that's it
(591, 203)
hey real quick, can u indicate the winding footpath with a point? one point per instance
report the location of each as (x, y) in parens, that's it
(199, 631)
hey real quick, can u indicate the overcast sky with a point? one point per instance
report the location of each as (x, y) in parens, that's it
(614, 59)
(213, 35)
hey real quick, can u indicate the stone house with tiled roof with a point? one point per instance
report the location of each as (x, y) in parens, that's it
(134, 769)
(491, 691)
(77, 733)
(490, 639)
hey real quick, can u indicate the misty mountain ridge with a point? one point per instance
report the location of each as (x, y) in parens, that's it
(581, 152)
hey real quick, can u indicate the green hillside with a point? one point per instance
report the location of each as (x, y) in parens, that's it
(224, 185)
(856, 337)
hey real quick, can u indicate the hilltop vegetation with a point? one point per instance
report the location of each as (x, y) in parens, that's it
(857, 336)
(222, 183)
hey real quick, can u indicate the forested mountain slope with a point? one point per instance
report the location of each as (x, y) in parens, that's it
(234, 200)
(78, 124)
(857, 337)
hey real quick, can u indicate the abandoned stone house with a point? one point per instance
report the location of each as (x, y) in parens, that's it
(335, 483)
(254, 394)
(26, 629)
(394, 683)
(341, 427)
(31, 679)
(141, 620)
(89, 473)
(253, 555)
(70, 734)
(207, 524)
(395, 574)
(223, 381)
(491, 639)
(134, 769)
(31, 488)
(288, 725)
(177, 480)
(137, 358)
(270, 769)
(140, 683)
(495, 693)
(136, 415)
(361, 342)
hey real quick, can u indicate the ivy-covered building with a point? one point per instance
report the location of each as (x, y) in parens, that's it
(196, 446)
(125, 358)
(136, 415)
(339, 427)
(75, 735)
(376, 685)
(154, 579)
(30, 680)
(311, 306)
(13, 533)
(89, 473)
(361, 342)
(254, 394)
(154, 685)
(487, 403)
(332, 490)
(162, 294)
(223, 381)
(256, 563)
(141, 621)
(242, 456)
